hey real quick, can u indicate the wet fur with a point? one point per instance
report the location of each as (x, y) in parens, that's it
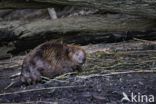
(49, 60)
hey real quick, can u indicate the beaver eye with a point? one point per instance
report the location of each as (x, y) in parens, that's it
(75, 54)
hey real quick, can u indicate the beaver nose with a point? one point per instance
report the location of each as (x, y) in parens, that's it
(82, 60)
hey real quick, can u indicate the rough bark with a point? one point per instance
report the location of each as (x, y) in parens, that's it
(107, 23)
(144, 8)
(21, 4)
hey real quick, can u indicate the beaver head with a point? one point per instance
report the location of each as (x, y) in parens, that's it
(76, 54)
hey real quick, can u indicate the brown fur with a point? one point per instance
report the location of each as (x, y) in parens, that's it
(50, 59)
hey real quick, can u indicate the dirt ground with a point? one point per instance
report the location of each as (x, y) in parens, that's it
(110, 70)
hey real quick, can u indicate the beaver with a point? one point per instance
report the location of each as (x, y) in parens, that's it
(51, 59)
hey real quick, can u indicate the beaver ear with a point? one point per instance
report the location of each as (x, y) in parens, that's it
(67, 49)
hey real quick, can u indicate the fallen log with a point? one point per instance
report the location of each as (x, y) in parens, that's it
(79, 29)
(145, 8)
(96, 23)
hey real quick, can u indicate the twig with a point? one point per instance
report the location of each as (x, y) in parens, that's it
(116, 73)
(128, 72)
(39, 89)
(66, 74)
(119, 64)
(45, 78)
(146, 41)
(15, 75)
(11, 84)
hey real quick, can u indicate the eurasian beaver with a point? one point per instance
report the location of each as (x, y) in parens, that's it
(51, 59)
